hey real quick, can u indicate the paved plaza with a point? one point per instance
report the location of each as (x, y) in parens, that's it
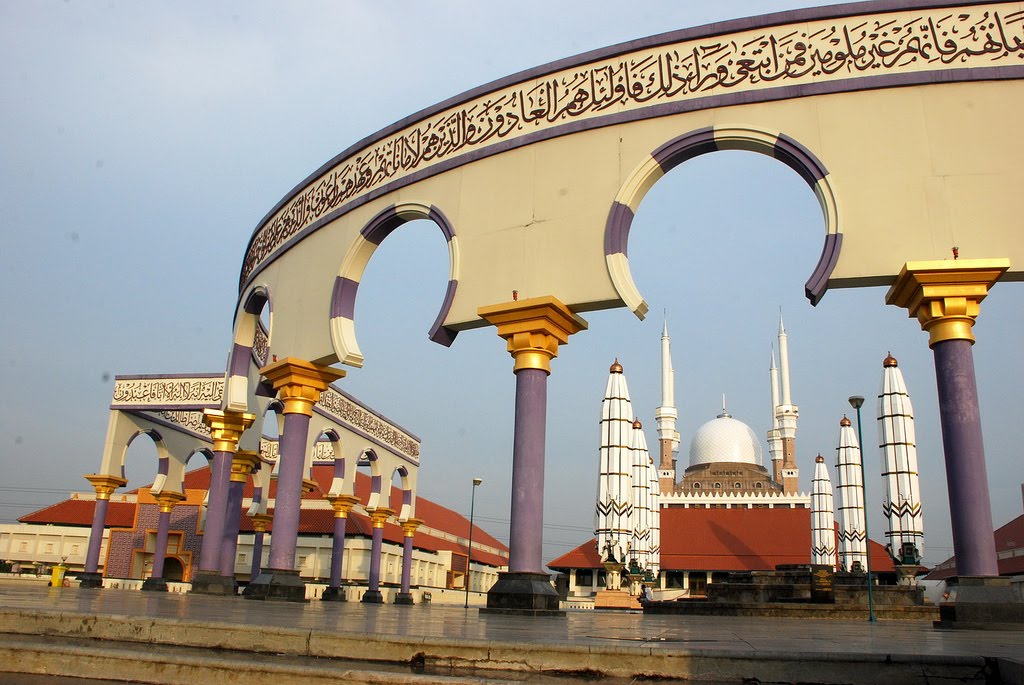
(101, 632)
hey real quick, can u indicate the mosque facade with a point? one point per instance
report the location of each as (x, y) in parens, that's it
(724, 511)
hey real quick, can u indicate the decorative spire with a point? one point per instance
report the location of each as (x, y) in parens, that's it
(613, 519)
(665, 414)
(823, 525)
(784, 362)
(889, 361)
(616, 367)
(850, 490)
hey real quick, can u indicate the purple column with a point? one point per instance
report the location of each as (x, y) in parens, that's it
(232, 519)
(99, 519)
(378, 538)
(407, 564)
(969, 507)
(216, 506)
(292, 455)
(338, 550)
(526, 528)
(160, 553)
(257, 554)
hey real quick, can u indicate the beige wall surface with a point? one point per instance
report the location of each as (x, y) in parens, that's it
(913, 114)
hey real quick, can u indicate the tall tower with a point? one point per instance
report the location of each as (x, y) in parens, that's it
(853, 546)
(613, 520)
(902, 505)
(666, 415)
(786, 414)
(823, 519)
(775, 434)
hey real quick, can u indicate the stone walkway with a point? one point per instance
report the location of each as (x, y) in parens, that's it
(453, 641)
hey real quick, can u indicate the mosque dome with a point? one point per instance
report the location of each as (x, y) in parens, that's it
(724, 439)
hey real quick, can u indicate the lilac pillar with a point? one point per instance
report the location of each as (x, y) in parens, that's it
(216, 506)
(257, 554)
(526, 528)
(232, 520)
(407, 564)
(99, 519)
(338, 550)
(160, 553)
(378, 539)
(292, 456)
(969, 506)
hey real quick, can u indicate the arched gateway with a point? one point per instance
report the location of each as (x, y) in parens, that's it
(902, 117)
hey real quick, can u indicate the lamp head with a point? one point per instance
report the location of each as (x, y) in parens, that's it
(856, 401)
(477, 481)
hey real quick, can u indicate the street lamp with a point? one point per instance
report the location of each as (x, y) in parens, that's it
(469, 550)
(856, 401)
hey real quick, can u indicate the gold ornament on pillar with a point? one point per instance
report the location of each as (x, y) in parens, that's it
(409, 526)
(945, 295)
(261, 522)
(380, 515)
(342, 504)
(299, 383)
(226, 427)
(167, 500)
(243, 462)
(105, 484)
(533, 329)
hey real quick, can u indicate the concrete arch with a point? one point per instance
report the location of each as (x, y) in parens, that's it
(250, 346)
(405, 509)
(368, 457)
(346, 284)
(703, 141)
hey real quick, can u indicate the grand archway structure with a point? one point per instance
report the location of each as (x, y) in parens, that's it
(902, 117)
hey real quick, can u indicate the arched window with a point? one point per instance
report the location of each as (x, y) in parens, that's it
(758, 485)
(737, 485)
(696, 486)
(718, 486)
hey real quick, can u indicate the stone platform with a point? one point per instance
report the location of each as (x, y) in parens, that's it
(174, 638)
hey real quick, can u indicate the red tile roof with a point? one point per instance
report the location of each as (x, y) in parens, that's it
(727, 540)
(78, 512)
(1007, 538)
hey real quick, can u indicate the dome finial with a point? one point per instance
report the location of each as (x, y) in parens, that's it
(725, 412)
(616, 367)
(889, 361)
(819, 459)
(637, 425)
(844, 422)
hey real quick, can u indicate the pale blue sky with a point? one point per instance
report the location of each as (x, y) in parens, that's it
(142, 142)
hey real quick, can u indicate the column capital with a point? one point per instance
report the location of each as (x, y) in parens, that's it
(342, 504)
(945, 295)
(299, 383)
(409, 526)
(380, 515)
(261, 522)
(226, 427)
(243, 462)
(167, 500)
(533, 329)
(105, 484)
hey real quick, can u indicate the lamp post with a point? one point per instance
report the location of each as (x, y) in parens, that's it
(469, 550)
(856, 401)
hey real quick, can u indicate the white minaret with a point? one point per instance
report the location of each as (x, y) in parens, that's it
(613, 521)
(640, 545)
(775, 435)
(852, 538)
(786, 413)
(666, 415)
(902, 504)
(823, 520)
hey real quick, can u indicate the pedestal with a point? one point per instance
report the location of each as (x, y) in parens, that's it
(982, 603)
(523, 593)
(404, 598)
(372, 597)
(334, 594)
(213, 583)
(277, 585)
(154, 585)
(92, 580)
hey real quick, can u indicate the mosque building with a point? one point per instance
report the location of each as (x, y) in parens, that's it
(724, 512)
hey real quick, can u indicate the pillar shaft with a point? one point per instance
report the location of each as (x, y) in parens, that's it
(338, 550)
(966, 478)
(226, 427)
(104, 485)
(945, 297)
(406, 563)
(232, 521)
(526, 537)
(257, 554)
(163, 526)
(375, 550)
(288, 502)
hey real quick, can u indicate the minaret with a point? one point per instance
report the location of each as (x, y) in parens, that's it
(666, 415)
(613, 522)
(640, 546)
(775, 435)
(902, 505)
(852, 537)
(786, 413)
(823, 520)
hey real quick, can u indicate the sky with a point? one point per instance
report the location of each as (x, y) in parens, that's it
(142, 142)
